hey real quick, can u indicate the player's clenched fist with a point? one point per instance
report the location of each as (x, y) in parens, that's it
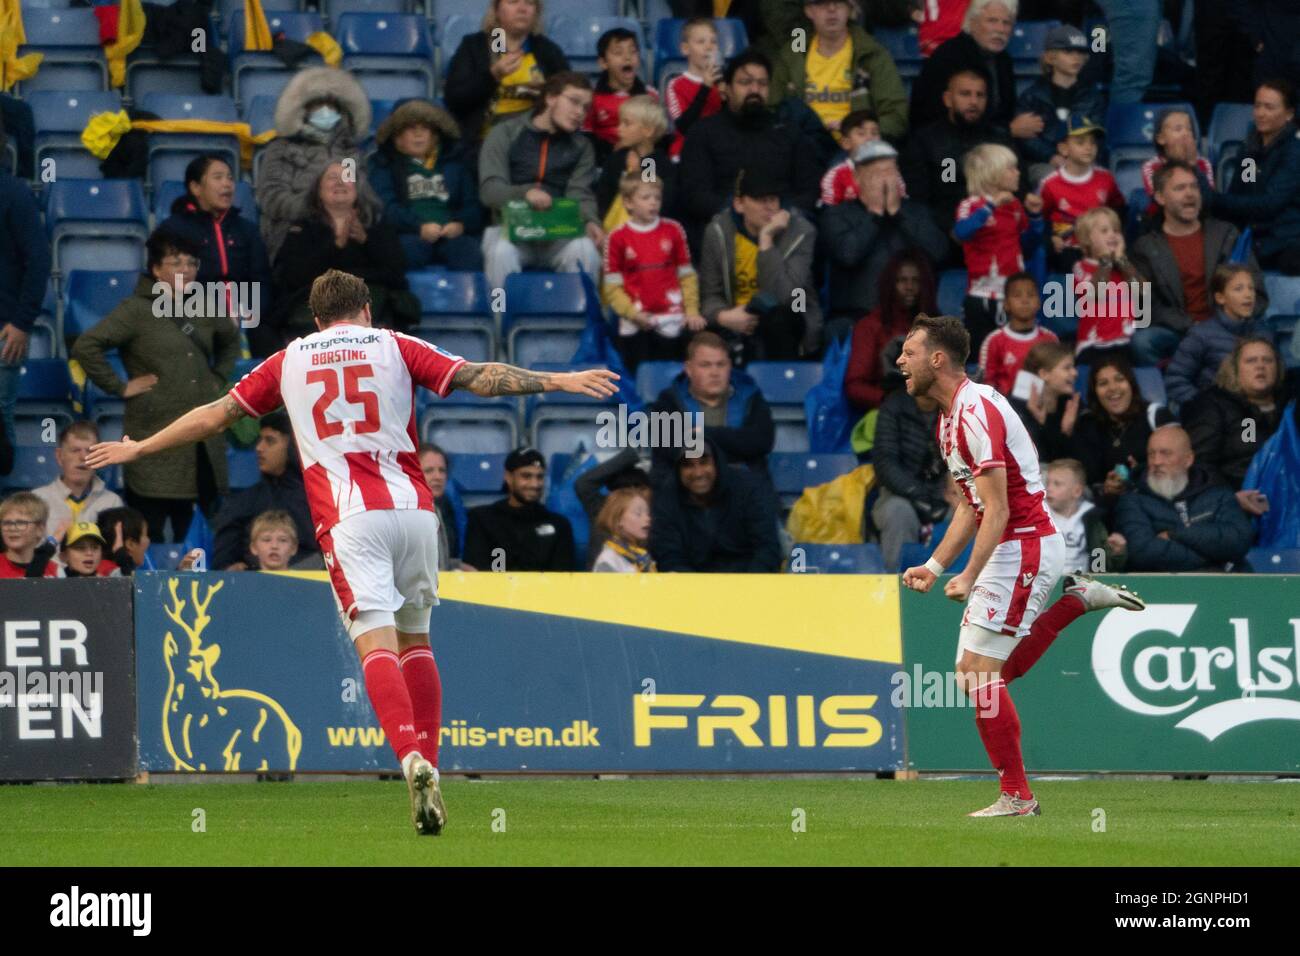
(596, 382)
(919, 578)
(958, 588)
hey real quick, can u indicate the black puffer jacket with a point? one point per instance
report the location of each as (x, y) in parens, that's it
(1207, 530)
(1217, 423)
(230, 248)
(906, 453)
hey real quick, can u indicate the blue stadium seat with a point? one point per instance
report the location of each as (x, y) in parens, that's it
(96, 223)
(333, 9)
(106, 410)
(165, 557)
(1275, 560)
(792, 473)
(545, 314)
(732, 38)
(1151, 383)
(262, 73)
(468, 424)
(259, 112)
(1065, 326)
(241, 466)
(1028, 40)
(225, 9)
(577, 37)
(390, 54)
(1283, 293)
(1229, 124)
(451, 30)
(455, 309)
(839, 558)
(785, 383)
(653, 377)
(904, 46)
(34, 465)
(44, 394)
(559, 421)
(60, 118)
(69, 41)
(1131, 129)
(478, 476)
(380, 110)
(1128, 176)
(952, 291)
(578, 9)
(476, 344)
(170, 153)
(43, 340)
(88, 296)
(168, 192)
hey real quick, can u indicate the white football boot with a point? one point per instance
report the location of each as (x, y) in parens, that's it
(428, 813)
(1097, 596)
(1010, 805)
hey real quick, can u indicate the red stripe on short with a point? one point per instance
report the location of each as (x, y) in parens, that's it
(338, 580)
(363, 470)
(1031, 550)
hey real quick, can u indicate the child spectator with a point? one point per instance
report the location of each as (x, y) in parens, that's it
(273, 540)
(840, 184)
(1003, 353)
(649, 281)
(429, 194)
(130, 533)
(694, 94)
(1175, 139)
(624, 520)
(1207, 344)
(1104, 284)
(1077, 186)
(642, 123)
(995, 231)
(1079, 521)
(82, 553)
(1056, 96)
(1046, 401)
(22, 528)
(618, 52)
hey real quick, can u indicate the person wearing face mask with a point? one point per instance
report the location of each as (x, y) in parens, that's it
(322, 116)
(173, 365)
(720, 145)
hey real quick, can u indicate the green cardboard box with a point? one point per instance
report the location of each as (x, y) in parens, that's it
(523, 223)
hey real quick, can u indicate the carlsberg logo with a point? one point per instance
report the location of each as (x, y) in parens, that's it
(1193, 672)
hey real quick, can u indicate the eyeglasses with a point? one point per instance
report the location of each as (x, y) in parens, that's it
(15, 524)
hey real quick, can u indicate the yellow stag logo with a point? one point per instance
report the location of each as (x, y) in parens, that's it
(208, 727)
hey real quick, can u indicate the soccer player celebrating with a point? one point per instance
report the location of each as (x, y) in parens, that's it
(349, 390)
(1018, 552)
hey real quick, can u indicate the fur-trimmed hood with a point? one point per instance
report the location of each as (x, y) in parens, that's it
(315, 82)
(415, 113)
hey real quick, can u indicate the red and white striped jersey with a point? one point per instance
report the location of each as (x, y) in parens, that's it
(350, 394)
(982, 431)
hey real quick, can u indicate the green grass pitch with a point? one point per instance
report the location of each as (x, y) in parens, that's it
(664, 821)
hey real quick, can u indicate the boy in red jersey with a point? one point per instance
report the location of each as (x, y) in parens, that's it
(1003, 352)
(1074, 187)
(694, 94)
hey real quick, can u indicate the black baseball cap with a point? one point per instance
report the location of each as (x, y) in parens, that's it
(523, 457)
(758, 181)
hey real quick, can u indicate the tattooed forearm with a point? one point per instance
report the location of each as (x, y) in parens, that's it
(232, 409)
(497, 378)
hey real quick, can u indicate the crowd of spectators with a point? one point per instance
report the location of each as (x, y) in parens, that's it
(797, 194)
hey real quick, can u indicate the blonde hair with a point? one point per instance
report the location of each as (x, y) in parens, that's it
(645, 110)
(1084, 225)
(1073, 466)
(615, 506)
(490, 22)
(629, 183)
(37, 509)
(982, 166)
(272, 521)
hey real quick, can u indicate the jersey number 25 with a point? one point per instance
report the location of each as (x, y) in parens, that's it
(369, 401)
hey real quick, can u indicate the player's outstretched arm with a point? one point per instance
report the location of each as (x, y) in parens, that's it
(497, 378)
(195, 425)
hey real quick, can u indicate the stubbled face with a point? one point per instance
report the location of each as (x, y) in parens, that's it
(1063, 489)
(215, 190)
(1169, 454)
(1061, 377)
(84, 556)
(525, 484)
(1113, 391)
(916, 363)
(1181, 197)
(967, 97)
(415, 141)
(434, 467)
(71, 458)
(635, 523)
(1022, 305)
(1257, 369)
(1238, 297)
(274, 549)
(621, 61)
(748, 86)
(517, 16)
(709, 373)
(1270, 113)
(698, 475)
(992, 27)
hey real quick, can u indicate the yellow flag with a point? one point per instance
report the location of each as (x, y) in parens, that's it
(12, 35)
(130, 31)
(257, 32)
(327, 47)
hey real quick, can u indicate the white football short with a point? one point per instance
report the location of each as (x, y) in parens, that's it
(383, 567)
(1009, 594)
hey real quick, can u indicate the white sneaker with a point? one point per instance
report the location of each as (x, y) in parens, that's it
(1010, 805)
(1097, 595)
(428, 813)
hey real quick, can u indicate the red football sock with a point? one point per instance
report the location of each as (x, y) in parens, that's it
(999, 725)
(425, 687)
(389, 697)
(1044, 630)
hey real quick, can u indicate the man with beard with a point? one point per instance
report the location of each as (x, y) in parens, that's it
(518, 533)
(932, 163)
(1177, 519)
(1178, 260)
(720, 145)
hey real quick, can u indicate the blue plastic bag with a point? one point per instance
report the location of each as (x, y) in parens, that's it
(1275, 470)
(563, 499)
(830, 419)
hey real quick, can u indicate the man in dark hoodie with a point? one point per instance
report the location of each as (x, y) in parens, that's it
(280, 488)
(710, 517)
(518, 533)
(1178, 519)
(736, 416)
